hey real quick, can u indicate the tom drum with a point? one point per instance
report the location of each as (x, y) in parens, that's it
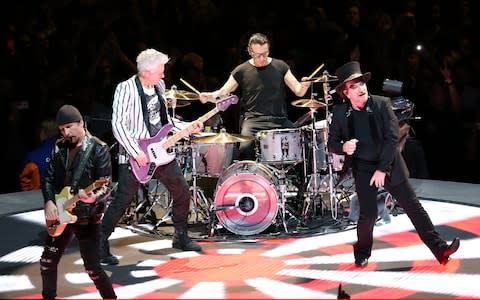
(212, 159)
(279, 146)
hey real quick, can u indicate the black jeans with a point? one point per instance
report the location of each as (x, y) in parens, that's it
(88, 236)
(171, 177)
(407, 199)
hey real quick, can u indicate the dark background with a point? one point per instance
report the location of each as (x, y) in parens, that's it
(55, 52)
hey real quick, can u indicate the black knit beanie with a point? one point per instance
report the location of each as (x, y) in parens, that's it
(68, 114)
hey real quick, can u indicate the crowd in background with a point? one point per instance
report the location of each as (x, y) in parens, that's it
(55, 52)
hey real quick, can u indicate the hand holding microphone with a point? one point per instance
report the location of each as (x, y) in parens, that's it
(350, 146)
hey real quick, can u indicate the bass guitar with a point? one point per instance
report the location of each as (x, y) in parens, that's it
(156, 147)
(66, 202)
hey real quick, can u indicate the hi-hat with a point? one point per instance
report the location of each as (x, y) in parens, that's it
(181, 95)
(322, 79)
(222, 138)
(310, 103)
(179, 104)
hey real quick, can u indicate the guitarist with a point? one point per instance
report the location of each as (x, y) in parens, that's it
(139, 112)
(78, 159)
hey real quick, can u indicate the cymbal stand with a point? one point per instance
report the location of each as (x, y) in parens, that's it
(328, 97)
(197, 193)
(314, 182)
(282, 180)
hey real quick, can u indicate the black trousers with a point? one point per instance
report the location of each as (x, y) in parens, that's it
(88, 236)
(407, 199)
(171, 177)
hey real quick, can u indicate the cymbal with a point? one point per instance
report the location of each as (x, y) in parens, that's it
(181, 95)
(179, 104)
(322, 79)
(310, 103)
(222, 138)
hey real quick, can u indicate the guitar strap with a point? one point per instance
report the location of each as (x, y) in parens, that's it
(163, 111)
(81, 166)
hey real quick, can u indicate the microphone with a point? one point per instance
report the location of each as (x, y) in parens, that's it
(225, 207)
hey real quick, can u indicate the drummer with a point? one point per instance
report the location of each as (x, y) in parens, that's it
(263, 81)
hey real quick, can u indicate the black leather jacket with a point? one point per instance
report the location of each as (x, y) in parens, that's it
(97, 166)
(386, 131)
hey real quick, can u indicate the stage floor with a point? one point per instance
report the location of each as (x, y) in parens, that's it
(261, 266)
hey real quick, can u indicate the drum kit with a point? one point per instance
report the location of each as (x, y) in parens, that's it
(292, 182)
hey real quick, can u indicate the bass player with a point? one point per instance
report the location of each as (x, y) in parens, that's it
(139, 113)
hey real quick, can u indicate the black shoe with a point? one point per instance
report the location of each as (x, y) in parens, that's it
(109, 260)
(449, 251)
(183, 242)
(361, 262)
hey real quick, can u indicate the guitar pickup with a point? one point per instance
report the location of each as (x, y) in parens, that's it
(153, 153)
(151, 169)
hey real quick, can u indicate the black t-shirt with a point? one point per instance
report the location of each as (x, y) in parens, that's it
(263, 89)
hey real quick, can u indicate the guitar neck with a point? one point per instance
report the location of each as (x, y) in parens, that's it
(186, 131)
(70, 202)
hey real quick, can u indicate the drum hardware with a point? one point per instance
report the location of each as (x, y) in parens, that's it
(222, 138)
(200, 203)
(316, 183)
(279, 146)
(310, 103)
(328, 98)
(284, 208)
(180, 94)
(179, 104)
(325, 78)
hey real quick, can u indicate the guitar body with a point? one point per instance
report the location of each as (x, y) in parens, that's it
(65, 202)
(56, 227)
(156, 153)
(156, 147)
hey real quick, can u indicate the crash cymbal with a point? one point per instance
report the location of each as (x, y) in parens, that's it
(181, 95)
(179, 104)
(310, 103)
(322, 79)
(222, 138)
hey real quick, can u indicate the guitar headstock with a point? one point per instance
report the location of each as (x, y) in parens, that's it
(100, 183)
(225, 101)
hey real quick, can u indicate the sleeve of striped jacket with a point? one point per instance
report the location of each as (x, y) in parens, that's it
(128, 125)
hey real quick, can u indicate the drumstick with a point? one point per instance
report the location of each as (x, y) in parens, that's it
(316, 71)
(191, 87)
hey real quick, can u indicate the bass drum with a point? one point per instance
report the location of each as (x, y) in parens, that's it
(246, 200)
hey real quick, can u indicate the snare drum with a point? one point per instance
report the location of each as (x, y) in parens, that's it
(280, 146)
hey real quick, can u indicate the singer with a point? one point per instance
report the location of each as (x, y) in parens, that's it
(365, 128)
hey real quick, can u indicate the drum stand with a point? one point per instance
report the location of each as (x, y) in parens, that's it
(284, 209)
(201, 205)
(314, 182)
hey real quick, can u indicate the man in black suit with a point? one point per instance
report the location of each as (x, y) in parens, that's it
(365, 128)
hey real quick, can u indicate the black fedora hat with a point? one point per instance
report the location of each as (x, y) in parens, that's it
(350, 71)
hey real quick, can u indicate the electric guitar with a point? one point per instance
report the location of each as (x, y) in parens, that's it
(156, 147)
(66, 202)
